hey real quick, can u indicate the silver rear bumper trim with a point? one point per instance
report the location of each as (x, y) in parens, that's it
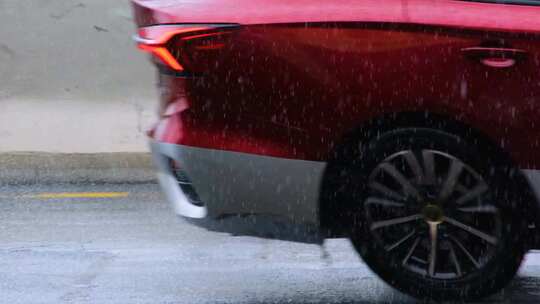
(162, 154)
(239, 183)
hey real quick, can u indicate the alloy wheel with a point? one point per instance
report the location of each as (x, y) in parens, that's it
(432, 213)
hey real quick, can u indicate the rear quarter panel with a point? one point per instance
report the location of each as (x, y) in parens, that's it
(301, 74)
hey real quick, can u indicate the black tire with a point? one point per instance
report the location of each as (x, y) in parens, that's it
(502, 214)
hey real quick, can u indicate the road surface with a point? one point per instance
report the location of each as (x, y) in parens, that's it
(121, 244)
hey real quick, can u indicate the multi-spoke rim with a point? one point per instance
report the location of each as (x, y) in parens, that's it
(432, 213)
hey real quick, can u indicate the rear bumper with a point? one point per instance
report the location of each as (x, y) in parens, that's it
(233, 183)
(264, 194)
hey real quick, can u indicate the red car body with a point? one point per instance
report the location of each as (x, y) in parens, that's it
(258, 96)
(412, 59)
(313, 72)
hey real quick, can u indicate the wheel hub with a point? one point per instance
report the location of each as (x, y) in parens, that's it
(433, 213)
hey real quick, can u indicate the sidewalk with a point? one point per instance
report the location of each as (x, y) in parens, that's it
(76, 97)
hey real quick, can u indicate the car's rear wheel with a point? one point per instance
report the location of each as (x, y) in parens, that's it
(433, 215)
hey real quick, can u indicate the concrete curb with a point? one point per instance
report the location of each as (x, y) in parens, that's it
(42, 167)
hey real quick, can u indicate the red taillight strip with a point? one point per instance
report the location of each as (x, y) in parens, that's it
(205, 35)
(153, 39)
(214, 46)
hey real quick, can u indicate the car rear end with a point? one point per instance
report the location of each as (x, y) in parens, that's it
(217, 151)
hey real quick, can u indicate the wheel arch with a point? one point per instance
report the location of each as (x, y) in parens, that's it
(334, 220)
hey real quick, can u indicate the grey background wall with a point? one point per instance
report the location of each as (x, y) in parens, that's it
(71, 79)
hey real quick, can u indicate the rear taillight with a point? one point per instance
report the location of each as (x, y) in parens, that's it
(188, 47)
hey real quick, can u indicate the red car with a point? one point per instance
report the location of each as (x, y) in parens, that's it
(409, 126)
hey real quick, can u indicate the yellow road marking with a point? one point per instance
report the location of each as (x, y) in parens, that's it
(80, 195)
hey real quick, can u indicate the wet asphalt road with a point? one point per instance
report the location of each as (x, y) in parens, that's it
(132, 249)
